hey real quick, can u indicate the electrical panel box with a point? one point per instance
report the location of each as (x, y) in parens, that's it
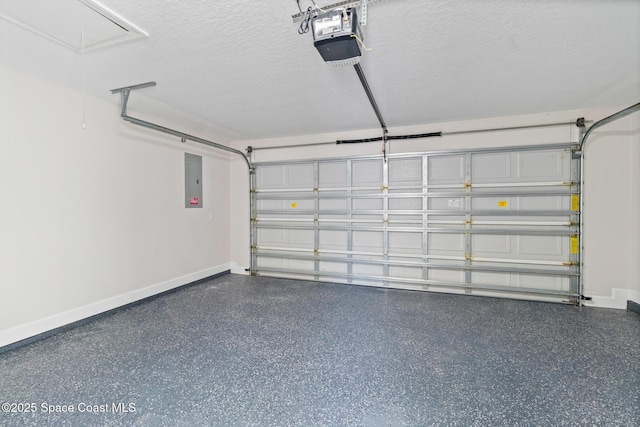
(334, 34)
(193, 181)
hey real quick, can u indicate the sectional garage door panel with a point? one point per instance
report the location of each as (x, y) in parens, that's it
(493, 221)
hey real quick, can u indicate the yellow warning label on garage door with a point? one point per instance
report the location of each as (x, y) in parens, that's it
(293, 205)
(574, 245)
(575, 202)
(502, 203)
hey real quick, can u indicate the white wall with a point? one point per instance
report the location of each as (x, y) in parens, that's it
(634, 250)
(611, 198)
(611, 215)
(94, 218)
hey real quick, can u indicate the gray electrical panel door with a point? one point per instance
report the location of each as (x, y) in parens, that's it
(498, 222)
(193, 181)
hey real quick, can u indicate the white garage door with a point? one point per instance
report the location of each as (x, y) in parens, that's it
(502, 222)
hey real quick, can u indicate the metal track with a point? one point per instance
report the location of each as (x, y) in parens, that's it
(126, 91)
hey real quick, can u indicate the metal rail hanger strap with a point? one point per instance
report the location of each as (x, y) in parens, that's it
(184, 136)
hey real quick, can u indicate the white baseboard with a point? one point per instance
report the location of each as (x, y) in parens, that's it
(238, 269)
(618, 299)
(28, 330)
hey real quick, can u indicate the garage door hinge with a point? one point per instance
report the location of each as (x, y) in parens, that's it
(467, 186)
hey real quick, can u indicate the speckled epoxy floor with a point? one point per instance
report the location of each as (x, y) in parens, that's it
(241, 350)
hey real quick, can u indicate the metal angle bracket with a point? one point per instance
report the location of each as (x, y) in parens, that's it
(363, 12)
(133, 87)
(298, 17)
(576, 154)
(124, 92)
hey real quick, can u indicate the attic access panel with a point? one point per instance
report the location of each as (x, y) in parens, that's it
(80, 25)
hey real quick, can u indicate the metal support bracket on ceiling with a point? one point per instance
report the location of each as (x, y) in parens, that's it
(126, 91)
(363, 12)
(298, 17)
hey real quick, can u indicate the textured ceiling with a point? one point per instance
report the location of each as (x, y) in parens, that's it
(241, 70)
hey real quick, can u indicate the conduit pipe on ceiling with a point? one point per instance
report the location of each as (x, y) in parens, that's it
(183, 136)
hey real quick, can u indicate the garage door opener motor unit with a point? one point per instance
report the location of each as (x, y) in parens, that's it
(335, 35)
